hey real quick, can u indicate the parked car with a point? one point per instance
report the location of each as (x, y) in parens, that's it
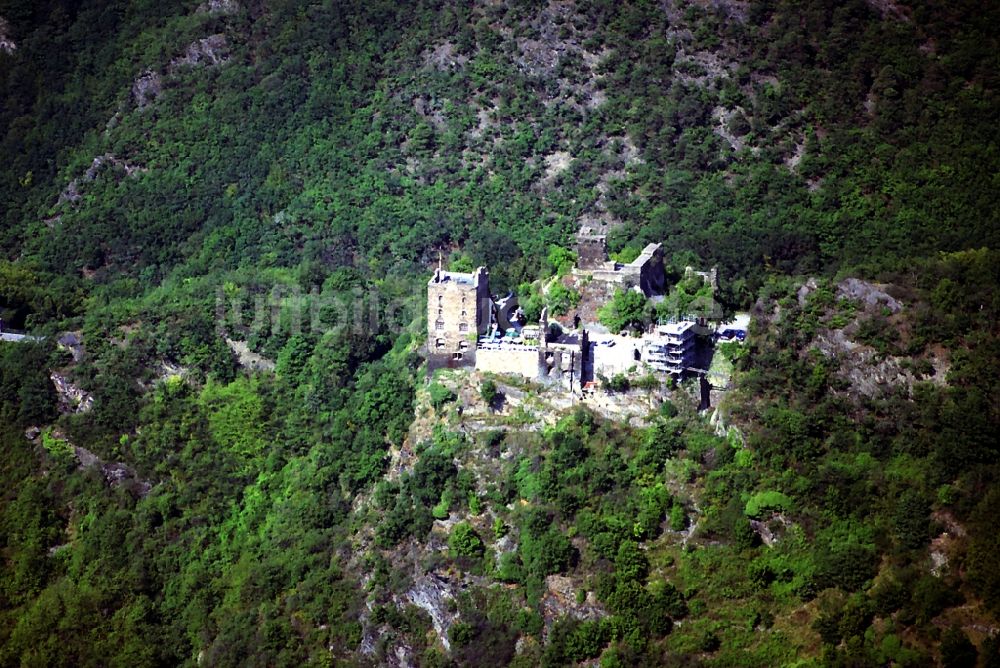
(730, 334)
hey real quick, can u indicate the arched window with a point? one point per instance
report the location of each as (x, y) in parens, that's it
(439, 325)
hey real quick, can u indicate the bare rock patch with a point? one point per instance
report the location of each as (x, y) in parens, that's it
(7, 44)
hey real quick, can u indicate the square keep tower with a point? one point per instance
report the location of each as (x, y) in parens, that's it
(458, 310)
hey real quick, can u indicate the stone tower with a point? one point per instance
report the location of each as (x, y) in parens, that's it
(591, 249)
(458, 310)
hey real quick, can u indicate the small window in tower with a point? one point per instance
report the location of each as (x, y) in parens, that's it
(463, 327)
(439, 325)
(463, 346)
(456, 356)
(439, 344)
(440, 300)
(440, 312)
(464, 313)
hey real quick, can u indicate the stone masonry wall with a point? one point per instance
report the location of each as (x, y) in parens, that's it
(523, 362)
(457, 310)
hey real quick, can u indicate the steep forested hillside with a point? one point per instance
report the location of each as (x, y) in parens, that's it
(202, 474)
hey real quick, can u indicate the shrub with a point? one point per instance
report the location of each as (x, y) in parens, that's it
(956, 649)
(440, 395)
(617, 383)
(560, 260)
(561, 299)
(626, 309)
(465, 542)
(488, 392)
(631, 562)
(764, 503)
(678, 518)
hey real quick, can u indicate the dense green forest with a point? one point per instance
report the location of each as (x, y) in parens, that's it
(231, 482)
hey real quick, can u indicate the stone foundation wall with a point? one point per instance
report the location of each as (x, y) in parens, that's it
(560, 367)
(563, 366)
(437, 361)
(523, 362)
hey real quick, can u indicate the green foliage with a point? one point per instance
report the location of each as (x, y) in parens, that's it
(442, 509)
(461, 263)
(575, 641)
(294, 357)
(500, 529)
(428, 492)
(489, 392)
(765, 503)
(57, 448)
(662, 441)
(678, 517)
(845, 558)
(547, 553)
(630, 562)
(879, 333)
(984, 551)
(617, 383)
(235, 414)
(626, 309)
(648, 383)
(689, 297)
(560, 260)
(956, 649)
(341, 146)
(912, 519)
(463, 541)
(460, 634)
(440, 395)
(627, 254)
(561, 299)
(531, 301)
(27, 396)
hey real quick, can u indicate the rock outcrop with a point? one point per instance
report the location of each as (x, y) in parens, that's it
(435, 595)
(72, 399)
(146, 88)
(219, 7)
(72, 342)
(116, 474)
(7, 44)
(72, 192)
(870, 295)
(210, 51)
(247, 358)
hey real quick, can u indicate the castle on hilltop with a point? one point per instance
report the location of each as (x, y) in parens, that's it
(458, 306)
(645, 272)
(466, 327)
(469, 327)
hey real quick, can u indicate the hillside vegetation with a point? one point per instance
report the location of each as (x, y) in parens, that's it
(208, 478)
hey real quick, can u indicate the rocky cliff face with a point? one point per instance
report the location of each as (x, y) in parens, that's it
(863, 333)
(219, 7)
(7, 44)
